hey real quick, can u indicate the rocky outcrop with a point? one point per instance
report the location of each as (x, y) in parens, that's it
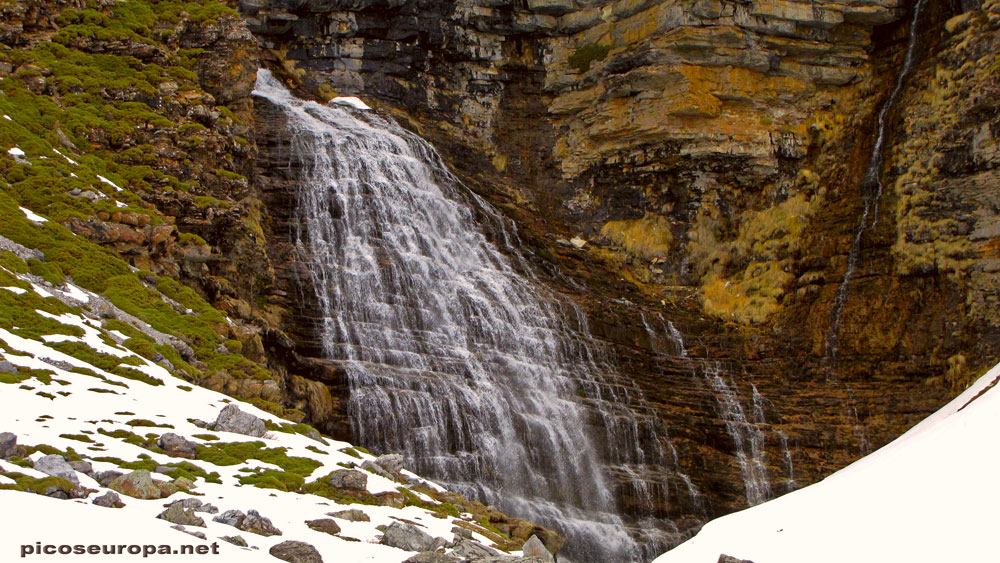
(709, 152)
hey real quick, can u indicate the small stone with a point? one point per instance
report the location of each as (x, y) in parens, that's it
(7, 367)
(349, 479)
(82, 467)
(75, 191)
(8, 445)
(352, 515)
(535, 548)
(407, 537)
(193, 533)
(177, 514)
(137, 484)
(296, 552)
(325, 525)
(109, 499)
(177, 446)
(462, 532)
(56, 466)
(232, 419)
(162, 469)
(723, 558)
(235, 540)
(92, 196)
(578, 242)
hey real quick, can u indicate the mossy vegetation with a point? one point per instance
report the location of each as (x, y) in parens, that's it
(233, 453)
(648, 237)
(583, 57)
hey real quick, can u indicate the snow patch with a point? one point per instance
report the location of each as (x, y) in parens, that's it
(32, 216)
(350, 101)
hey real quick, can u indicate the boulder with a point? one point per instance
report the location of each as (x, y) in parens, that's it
(723, 558)
(56, 466)
(232, 419)
(82, 467)
(376, 469)
(296, 552)
(137, 484)
(178, 446)
(177, 514)
(325, 525)
(109, 499)
(352, 515)
(408, 538)
(8, 445)
(393, 463)
(349, 479)
(251, 522)
(469, 549)
(105, 478)
(195, 504)
(7, 367)
(432, 557)
(535, 548)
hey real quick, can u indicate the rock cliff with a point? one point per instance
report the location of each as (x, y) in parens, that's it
(708, 155)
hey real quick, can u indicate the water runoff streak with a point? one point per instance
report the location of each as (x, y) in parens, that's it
(454, 358)
(871, 187)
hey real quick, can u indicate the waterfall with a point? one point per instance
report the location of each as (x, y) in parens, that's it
(482, 378)
(748, 438)
(871, 183)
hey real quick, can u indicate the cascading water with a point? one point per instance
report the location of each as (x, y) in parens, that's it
(453, 357)
(748, 439)
(871, 186)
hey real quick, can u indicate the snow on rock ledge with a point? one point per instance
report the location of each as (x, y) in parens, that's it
(929, 496)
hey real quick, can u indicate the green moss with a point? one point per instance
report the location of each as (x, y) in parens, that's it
(28, 484)
(142, 422)
(233, 453)
(271, 479)
(78, 437)
(582, 58)
(208, 437)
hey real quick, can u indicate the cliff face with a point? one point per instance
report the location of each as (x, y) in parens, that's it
(711, 153)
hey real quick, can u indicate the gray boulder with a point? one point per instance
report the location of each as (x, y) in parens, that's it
(296, 552)
(105, 478)
(177, 514)
(408, 538)
(393, 463)
(535, 548)
(352, 515)
(7, 367)
(251, 522)
(8, 445)
(232, 419)
(109, 499)
(376, 469)
(723, 558)
(471, 550)
(82, 467)
(56, 466)
(432, 557)
(349, 479)
(195, 505)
